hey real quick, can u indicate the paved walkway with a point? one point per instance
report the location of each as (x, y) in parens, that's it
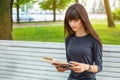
(38, 24)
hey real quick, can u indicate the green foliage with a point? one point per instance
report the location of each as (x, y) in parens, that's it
(116, 14)
(22, 2)
(60, 4)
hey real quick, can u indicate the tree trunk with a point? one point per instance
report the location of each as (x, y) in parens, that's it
(5, 20)
(109, 14)
(18, 19)
(77, 1)
(54, 10)
(11, 6)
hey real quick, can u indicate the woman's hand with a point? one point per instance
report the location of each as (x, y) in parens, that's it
(59, 67)
(78, 67)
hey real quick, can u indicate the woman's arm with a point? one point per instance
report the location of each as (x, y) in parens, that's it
(81, 67)
(93, 68)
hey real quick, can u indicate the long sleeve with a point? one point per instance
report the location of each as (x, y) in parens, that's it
(97, 55)
(66, 46)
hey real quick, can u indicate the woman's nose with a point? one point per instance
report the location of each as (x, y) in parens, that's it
(72, 23)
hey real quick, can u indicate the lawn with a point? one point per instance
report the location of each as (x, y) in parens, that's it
(56, 33)
(45, 33)
(108, 35)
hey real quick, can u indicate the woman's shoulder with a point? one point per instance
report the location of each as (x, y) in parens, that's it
(90, 37)
(94, 41)
(69, 37)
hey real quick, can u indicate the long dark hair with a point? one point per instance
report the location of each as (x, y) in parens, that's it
(77, 11)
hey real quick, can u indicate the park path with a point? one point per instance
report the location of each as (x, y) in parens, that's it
(57, 23)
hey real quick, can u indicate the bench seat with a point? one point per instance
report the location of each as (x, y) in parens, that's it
(21, 60)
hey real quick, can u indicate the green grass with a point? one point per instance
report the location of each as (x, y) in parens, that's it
(56, 34)
(45, 33)
(108, 35)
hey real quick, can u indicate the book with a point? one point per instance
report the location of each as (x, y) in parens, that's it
(52, 60)
(55, 62)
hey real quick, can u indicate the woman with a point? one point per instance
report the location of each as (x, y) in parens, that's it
(83, 45)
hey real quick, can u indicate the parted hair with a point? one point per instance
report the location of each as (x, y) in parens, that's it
(77, 11)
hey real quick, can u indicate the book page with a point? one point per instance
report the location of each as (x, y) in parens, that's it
(51, 60)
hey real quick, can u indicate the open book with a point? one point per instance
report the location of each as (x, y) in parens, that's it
(53, 61)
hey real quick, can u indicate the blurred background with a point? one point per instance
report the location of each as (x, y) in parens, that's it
(43, 20)
(39, 10)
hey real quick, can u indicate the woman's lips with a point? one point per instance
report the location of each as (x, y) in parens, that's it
(73, 27)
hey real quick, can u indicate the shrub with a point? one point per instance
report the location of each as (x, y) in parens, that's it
(116, 14)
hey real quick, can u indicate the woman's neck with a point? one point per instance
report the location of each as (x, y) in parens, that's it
(81, 32)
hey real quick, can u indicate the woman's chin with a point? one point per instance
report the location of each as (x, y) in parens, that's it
(75, 30)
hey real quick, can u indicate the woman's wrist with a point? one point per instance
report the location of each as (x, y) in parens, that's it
(90, 68)
(87, 67)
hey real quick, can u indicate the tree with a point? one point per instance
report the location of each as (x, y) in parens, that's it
(5, 20)
(17, 7)
(54, 5)
(77, 1)
(11, 6)
(109, 14)
(21, 2)
(18, 3)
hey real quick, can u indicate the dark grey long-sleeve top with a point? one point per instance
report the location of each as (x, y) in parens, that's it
(86, 50)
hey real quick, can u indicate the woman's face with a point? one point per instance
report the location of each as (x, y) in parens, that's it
(76, 24)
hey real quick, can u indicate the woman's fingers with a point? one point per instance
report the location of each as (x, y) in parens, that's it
(55, 63)
(76, 66)
(73, 63)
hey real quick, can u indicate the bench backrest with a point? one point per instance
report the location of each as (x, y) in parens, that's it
(20, 60)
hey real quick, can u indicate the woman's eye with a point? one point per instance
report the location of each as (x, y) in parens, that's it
(69, 20)
(76, 20)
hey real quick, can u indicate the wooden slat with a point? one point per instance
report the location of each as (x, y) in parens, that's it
(32, 44)
(111, 54)
(106, 78)
(111, 59)
(31, 76)
(109, 74)
(27, 49)
(111, 69)
(108, 48)
(111, 48)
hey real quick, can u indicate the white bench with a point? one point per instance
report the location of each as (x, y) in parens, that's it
(21, 60)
